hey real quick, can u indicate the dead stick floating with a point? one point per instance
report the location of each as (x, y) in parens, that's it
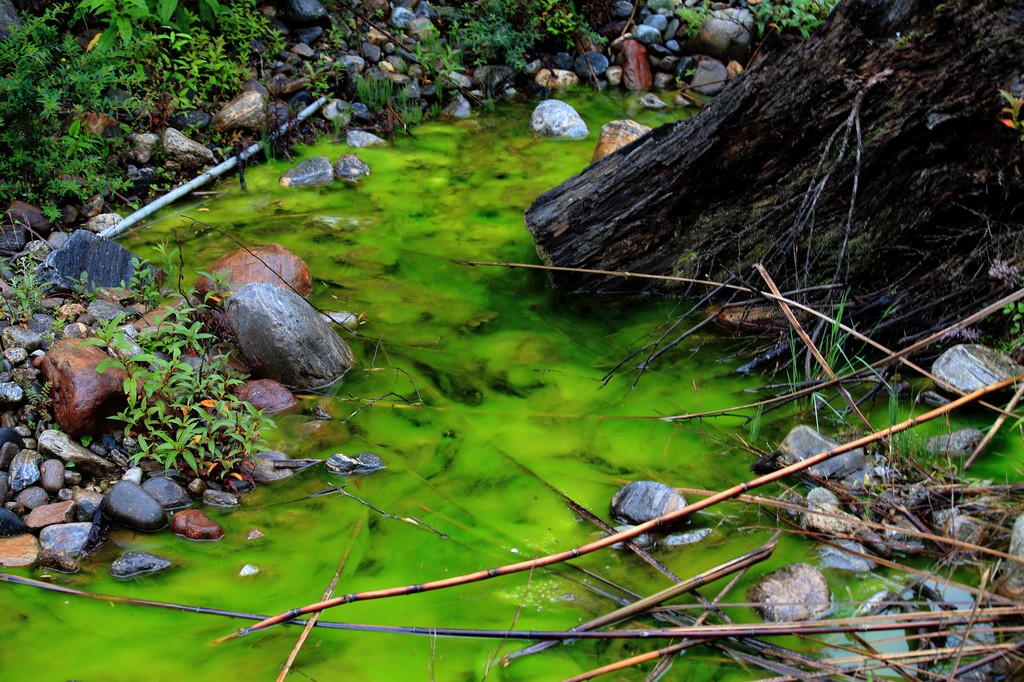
(633, 532)
(681, 587)
(328, 593)
(798, 328)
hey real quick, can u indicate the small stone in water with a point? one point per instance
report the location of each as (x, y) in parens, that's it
(363, 463)
(248, 570)
(254, 534)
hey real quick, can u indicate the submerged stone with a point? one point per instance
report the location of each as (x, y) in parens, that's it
(795, 592)
(131, 564)
(641, 501)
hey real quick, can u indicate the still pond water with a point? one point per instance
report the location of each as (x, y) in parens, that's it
(481, 390)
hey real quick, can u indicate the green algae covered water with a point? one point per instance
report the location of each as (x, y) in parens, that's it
(482, 391)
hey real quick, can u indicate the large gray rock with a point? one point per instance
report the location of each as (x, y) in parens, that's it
(310, 173)
(284, 338)
(793, 593)
(361, 138)
(554, 118)
(248, 111)
(590, 65)
(969, 367)
(641, 501)
(53, 443)
(1012, 581)
(65, 537)
(24, 470)
(106, 263)
(168, 493)
(129, 504)
(9, 19)
(957, 444)
(803, 442)
(726, 34)
(710, 77)
(303, 12)
(131, 564)
(350, 169)
(188, 153)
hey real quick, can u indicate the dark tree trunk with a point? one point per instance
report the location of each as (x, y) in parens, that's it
(765, 172)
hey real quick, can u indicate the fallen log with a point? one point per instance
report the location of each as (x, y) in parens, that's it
(871, 155)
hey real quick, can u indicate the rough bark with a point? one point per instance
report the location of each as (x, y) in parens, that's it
(940, 191)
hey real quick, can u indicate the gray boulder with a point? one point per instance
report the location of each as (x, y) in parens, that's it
(590, 65)
(793, 593)
(361, 139)
(129, 504)
(131, 564)
(24, 470)
(969, 367)
(647, 35)
(169, 494)
(641, 501)
(106, 263)
(104, 221)
(726, 34)
(803, 442)
(350, 169)
(554, 118)
(53, 443)
(285, 339)
(303, 12)
(188, 153)
(957, 444)
(248, 111)
(1012, 581)
(459, 108)
(9, 19)
(65, 537)
(310, 173)
(710, 77)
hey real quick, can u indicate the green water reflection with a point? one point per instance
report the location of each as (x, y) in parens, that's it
(481, 389)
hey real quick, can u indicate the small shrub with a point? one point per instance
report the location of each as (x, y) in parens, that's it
(47, 84)
(791, 16)
(182, 409)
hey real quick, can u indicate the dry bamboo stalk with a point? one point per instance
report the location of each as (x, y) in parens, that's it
(682, 587)
(610, 540)
(327, 595)
(873, 525)
(998, 424)
(798, 328)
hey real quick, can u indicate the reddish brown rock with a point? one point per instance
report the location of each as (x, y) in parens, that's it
(83, 399)
(28, 215)
(267, 395)
(636, 69)
(617, 134)
(19, 550)
(270, 264)
(195, 525)
(754, 319)
(49, 514)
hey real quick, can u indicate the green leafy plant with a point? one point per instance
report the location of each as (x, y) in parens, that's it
(128, 20)
(694, 17)
(1012, 111)
(181, 406)
(47, 86)
(791, 16)
(26, 294)
(510, 30)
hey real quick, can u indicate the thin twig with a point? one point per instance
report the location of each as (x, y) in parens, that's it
(328, 593)
(633, 532)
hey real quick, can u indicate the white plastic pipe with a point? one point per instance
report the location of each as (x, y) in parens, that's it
(201, 180)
